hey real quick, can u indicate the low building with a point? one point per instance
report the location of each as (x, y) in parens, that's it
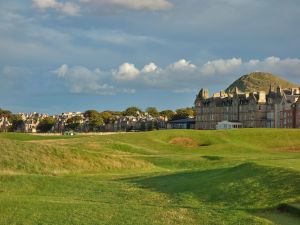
(224, 125)
(188, 123)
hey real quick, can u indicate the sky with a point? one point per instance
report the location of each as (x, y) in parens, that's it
(73, 55)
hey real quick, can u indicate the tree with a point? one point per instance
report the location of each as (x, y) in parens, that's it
(183, 113)
(46, 124)
(74, 122)
(132, 111)
(5, 113)
(167, 114)
(95, 119)
(107, 116)
(152, 111)
(116, 113)
(191, 111)
(89, 113)
(16, 121)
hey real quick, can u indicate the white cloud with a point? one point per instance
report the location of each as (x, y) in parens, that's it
(70, 9)
(118, 37)
(181, 76)
(182, 65)
(221, 66)
(62, 70)
(82, 80)
(272, 60)
(45, 4)
(150, 68)
(126, 72)
(67, 8)
(288, 67)
(149, 5)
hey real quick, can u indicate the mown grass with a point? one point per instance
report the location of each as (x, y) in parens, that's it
(161, 177)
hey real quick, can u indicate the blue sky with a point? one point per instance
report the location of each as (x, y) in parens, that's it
(73, 55)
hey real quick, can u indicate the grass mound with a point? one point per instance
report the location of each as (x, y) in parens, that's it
(54, 157)
(245, 183)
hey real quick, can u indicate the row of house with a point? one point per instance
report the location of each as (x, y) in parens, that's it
(31, 121)
(4, 124)
(279, 108)
(141, 122)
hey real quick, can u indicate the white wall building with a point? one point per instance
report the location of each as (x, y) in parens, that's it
(224, 125)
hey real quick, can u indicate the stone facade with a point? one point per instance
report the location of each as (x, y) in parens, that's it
(275, 109)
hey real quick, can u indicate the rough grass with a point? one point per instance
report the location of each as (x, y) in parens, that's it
(184, 142)
(162, 177)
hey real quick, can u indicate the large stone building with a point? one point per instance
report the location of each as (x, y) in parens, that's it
(275, 109)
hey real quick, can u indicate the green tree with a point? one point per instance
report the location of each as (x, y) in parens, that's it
(74, 122)
(4, 112)
(183, 113)
(152, 111)
(94, 119)
(46, 124)
(89, 113)
(167, 114)
(116, 113)
(107, 116)
(16, 121)
(191, 111)
(132, 111)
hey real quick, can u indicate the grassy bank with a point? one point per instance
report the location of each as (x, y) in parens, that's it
(161, 177)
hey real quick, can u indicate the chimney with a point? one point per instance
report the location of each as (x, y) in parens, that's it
(295, 91)
(262, 97)
(270, 89)
(279, 90)
(203, 94)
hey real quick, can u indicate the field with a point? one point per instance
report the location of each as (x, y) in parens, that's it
(160, 177)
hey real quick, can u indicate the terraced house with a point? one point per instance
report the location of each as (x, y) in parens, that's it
(4, 124)
(279, 108)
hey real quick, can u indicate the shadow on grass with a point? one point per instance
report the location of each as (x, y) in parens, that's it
(212, 158)
(205, 144)
(248, 186)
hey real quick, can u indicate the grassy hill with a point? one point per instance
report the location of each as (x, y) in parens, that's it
(161, 177)
(260, 81)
